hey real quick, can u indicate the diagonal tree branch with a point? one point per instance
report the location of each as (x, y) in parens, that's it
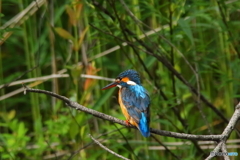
(222, 137)
(224, 149)
(221, 146)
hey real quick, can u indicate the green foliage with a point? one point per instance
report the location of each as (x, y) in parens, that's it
(15, 138)
(89, 37)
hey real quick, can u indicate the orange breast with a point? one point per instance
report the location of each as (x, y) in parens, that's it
(124, 110)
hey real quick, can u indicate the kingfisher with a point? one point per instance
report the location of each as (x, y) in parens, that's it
(133, 99)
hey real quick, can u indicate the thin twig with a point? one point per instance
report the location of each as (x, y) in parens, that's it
(20, 18)
(52, 76)
(39, 80)
(87, 145)
(107, 149)
(127, 143)
(166, 148)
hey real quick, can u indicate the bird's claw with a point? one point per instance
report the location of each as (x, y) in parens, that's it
(127, 122)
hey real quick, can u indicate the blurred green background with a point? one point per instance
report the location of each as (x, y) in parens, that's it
(41, 40)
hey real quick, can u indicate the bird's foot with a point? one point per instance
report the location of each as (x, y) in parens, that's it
(127, 122)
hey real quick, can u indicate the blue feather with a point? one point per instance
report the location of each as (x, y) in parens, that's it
(138, 90)
(136, 101)
(143, 126)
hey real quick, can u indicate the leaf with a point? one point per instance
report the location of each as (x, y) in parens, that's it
(82, 36)
(72, 16)
(77, 47)
(11, 114)
(63, 33)
(90, 70)
(79, 7)
(186, 28)
(104, 97)
(73, 130)
(82, 131)
(12, 29)
(21, 130)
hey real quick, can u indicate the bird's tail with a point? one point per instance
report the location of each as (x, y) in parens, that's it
(144, 126)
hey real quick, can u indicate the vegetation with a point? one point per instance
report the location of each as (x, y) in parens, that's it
(180, 48)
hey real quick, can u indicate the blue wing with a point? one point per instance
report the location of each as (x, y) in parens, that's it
(137, 104)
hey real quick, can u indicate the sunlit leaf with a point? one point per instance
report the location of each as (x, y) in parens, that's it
(72, 15)
(91, 70)
(21, 129)
(63, 33)
(11, 114)
(186, 28)
(82, 36)
(79, 7)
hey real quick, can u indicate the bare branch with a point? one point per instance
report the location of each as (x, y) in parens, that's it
(20, 18)
(216, 150)
(121, 122)
(53, 76)
(224, 149)
(221, 139)
(107, 149)
(226, 133)
(230, 127)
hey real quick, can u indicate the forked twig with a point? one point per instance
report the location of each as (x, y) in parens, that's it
(107, 149)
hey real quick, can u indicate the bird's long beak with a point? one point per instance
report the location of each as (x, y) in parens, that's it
(113, 84)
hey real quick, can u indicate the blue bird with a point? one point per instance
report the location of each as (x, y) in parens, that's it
(133, 99)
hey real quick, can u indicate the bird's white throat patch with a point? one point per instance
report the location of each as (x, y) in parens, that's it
(131, 83)
(119, 86)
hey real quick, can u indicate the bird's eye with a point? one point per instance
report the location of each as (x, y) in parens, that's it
(118, 79)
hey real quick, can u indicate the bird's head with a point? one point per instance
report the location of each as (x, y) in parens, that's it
(125, 79)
